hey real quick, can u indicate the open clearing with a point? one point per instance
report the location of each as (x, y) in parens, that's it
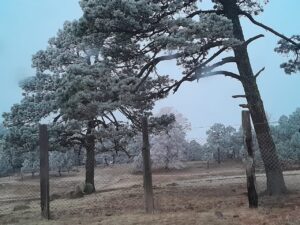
(194, 195)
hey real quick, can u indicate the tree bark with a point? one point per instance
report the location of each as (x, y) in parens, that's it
(148, 189)
(275, 180)
(250, 167)
(44, 171)
(90, 157)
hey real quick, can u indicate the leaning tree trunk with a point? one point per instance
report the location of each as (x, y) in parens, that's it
(90, 158)
(275, 180)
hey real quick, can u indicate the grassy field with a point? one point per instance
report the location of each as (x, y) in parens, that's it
(194, 195)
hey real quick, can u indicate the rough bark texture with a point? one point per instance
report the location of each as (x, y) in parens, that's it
(148, 189)
(275, 180)
(250, 168)
(90, 158)
(44, 171)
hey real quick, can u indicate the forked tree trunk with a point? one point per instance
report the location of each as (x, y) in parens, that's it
(275, 180)
(90, 158)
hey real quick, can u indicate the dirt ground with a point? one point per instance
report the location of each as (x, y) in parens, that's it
(194, 195)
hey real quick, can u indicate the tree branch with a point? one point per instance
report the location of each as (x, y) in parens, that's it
(221, 72)
(224, 61)
(267, 28)
(199, 74)
(239, 96)
(98, 122)
(125, 151)
(253, 39)
(150, 65)
(150, 69)
(130, 116)
(177, 84)
(245, 106)
(259, 72)
(213, 56)
(157, 60)
(218, 12)
(115, 119)
(80, 140)
(56, 118)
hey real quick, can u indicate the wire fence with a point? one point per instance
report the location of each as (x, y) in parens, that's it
(199, 186)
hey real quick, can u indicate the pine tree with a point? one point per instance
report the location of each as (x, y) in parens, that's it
(195, 38)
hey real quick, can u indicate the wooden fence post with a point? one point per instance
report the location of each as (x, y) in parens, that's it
(147, 174)
(44, 171)
(250, 167)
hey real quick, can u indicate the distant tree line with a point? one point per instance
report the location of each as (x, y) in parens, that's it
(169, 147)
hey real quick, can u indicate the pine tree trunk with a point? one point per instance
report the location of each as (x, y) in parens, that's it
(275, 180)
(90, 158)
(147, 173)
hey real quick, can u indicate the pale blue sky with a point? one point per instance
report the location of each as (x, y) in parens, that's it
(26, 26)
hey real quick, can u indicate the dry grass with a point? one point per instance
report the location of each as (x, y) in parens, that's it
(194, 195)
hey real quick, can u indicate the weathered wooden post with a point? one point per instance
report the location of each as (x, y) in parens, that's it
(44, 171)
(250, 167)
(147, 174)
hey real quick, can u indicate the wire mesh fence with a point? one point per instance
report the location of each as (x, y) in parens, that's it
(199, 186)
(19, 187)
(273, 157)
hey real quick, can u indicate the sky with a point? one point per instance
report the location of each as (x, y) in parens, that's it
(26, 26)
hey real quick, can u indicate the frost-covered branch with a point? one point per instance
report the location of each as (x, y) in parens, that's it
(215, 55)
(198, 12)
(215, 65)
(286, 48)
